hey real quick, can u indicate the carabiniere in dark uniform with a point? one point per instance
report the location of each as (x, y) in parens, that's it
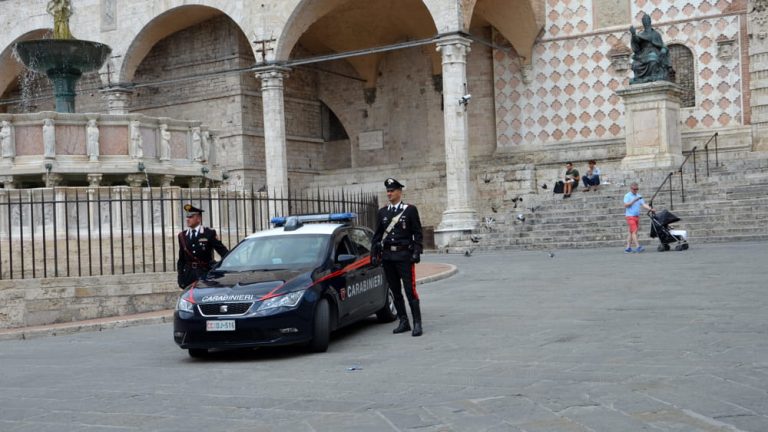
(397, 242)
(196, 246)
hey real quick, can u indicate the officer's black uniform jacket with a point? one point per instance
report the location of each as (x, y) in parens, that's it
(405, 237)
(196, 255)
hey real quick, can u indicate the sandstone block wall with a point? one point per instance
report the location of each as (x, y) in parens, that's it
(57, 300)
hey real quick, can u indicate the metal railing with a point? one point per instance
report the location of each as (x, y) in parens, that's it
(93, 231)
(690, 156)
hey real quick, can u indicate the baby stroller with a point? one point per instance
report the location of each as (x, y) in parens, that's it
(661, 228)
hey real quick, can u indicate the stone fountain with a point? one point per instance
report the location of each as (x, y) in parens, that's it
(63, 59)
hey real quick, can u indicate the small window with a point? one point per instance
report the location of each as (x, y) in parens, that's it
(685, 75)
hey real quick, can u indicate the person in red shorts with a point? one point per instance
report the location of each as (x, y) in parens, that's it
(633, 202)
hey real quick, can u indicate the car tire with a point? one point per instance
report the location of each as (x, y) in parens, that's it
(387, 313)
(198, 353)
(321, 331)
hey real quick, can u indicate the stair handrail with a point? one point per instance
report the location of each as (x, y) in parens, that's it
(668, 178)
(680, 171)
(706, 151)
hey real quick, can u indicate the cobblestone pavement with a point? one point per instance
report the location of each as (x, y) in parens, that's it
(588, 340)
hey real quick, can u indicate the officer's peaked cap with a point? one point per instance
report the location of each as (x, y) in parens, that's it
(391, 183)
(192, 210)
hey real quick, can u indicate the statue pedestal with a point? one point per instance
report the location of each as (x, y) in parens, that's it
(652, 125)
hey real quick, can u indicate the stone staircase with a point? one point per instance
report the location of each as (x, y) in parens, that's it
(729, 205)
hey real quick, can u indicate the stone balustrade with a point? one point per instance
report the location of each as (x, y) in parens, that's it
(111, 149)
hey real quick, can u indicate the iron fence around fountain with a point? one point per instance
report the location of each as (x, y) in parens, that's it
(96, 231)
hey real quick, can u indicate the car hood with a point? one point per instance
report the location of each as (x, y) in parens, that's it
(246, 286)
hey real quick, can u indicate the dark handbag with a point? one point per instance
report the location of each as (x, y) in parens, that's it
(559, 187)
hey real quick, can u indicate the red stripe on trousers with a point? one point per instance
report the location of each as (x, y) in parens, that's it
(413, 281)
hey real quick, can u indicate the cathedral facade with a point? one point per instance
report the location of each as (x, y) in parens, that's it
(468, 102)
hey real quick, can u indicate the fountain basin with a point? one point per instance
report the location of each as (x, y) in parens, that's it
(63, 61)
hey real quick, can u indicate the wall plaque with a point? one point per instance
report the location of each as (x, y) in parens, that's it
(371, 140)
(611, 13)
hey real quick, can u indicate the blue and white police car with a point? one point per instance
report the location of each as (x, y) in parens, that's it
(293, 284)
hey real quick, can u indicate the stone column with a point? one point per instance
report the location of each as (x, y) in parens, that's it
(652, 131)
(757, 29)
(117, 99)
(459, 217)
(94, 181)
(274, 128)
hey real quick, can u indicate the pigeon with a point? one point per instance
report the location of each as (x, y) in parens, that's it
(544, 186)
(521, 217)
(551, 255)
(468, 252)
(533, 209)
(475, 238)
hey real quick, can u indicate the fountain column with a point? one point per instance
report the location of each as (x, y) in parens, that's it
(274, 128)
(459, 217)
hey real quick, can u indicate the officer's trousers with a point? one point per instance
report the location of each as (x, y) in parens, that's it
(395, 272)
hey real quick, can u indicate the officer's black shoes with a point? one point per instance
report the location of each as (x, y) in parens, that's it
(403, 327)
(416, 329)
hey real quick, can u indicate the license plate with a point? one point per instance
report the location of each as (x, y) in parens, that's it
(220, 325)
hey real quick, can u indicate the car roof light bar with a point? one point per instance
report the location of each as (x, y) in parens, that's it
(279, 221)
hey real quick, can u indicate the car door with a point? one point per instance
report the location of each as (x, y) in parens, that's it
(350, 300)
(370, 276)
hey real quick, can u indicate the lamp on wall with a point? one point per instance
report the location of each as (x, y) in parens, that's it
(48, 167)
(204, 170)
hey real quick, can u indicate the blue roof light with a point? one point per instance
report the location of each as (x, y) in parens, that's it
(279, 221)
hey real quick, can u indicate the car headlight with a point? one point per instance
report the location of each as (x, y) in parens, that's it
(185, 306)
(280, 303)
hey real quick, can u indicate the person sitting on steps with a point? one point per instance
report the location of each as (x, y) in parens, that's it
(592, 178)
(572, 178)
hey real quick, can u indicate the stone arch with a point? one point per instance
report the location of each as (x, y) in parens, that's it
(325, 27)
(519, 21)
(11, 67)
(162, 26)
(684, 64)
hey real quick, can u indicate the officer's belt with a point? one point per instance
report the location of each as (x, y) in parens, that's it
(396, 248)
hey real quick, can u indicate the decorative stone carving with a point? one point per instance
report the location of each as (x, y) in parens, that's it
(369, 95)
(7, 140)
(651, 61)
(165, 143)
(726, 48)
(197, 145)
(136, 149)
(49, 139)
(526, 73)
(92, 140)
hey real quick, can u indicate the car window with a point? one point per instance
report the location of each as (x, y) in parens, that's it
(276, 252)
(361, 239)
(344, 247)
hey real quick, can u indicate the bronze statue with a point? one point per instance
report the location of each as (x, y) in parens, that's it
(650, 61)
(61, 11)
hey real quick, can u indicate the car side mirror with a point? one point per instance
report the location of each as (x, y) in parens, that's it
(346, 259)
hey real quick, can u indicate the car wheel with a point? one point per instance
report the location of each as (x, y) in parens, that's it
(198, 353)
(388, 313)
(321, 331)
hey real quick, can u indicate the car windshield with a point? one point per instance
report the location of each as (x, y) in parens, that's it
(276, 252)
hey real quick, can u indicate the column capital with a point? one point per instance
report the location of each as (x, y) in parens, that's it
(454, 48)
(117, 98)
(8, 182)
(94, 180)
(53, 180)
(272, 76)
(166, 180)
(195, 182)
(135, 180)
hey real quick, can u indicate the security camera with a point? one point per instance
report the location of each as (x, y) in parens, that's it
(465, 99)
